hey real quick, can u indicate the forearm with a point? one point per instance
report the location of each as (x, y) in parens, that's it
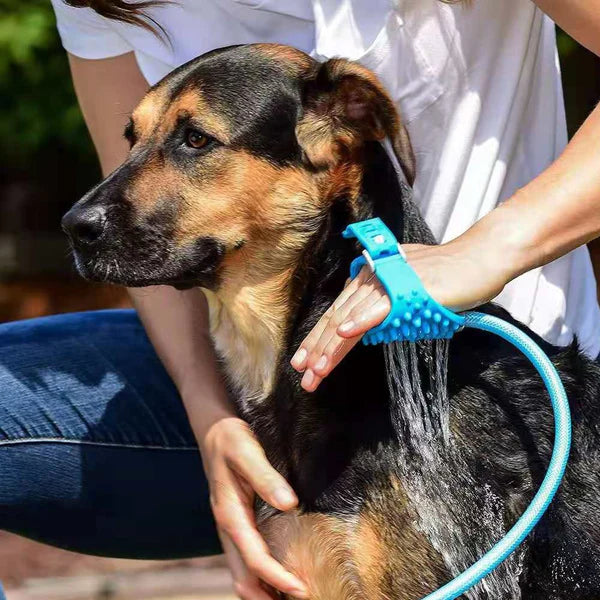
(177, 324)
(560, 209)
(579, 18)
(556, 212)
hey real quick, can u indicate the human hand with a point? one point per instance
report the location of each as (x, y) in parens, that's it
(237, 468)
(455, 274)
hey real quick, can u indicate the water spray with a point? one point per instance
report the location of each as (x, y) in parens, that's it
(416, 316)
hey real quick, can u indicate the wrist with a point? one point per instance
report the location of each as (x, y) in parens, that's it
(507, 241)
(206, 405)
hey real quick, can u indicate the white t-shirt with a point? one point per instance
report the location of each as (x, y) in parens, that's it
(479, 88)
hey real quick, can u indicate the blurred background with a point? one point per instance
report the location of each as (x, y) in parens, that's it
(46, 163)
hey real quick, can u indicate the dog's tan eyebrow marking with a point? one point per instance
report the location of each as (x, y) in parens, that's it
(148, 113)
(184, 117)
(192, 104)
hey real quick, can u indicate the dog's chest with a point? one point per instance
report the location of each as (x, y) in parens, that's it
(248, 349)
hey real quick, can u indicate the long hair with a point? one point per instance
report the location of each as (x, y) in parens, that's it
(133, 12)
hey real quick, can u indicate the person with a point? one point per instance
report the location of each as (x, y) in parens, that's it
(100, 425)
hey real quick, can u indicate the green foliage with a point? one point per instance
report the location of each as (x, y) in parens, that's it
(38, 109)
(567, 46)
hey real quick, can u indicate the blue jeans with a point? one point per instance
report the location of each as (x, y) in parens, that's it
(96, 453)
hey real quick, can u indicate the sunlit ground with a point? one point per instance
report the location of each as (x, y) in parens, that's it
(32, 571)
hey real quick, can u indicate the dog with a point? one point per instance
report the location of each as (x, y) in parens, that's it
(246, 164)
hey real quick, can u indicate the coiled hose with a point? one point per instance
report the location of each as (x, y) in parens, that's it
(560, 454)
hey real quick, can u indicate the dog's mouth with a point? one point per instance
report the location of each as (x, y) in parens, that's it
(116, 272)
(192, 267)
(140, 255)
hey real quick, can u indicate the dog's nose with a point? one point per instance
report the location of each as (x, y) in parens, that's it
(84, 225)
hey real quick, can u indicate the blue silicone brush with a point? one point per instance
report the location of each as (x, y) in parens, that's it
(415, 315)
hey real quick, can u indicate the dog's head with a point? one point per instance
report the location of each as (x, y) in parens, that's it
(234, 158)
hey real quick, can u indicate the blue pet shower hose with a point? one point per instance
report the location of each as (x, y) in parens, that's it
(416, 316)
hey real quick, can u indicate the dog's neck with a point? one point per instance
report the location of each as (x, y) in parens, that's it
(248, 330)
(259, 320)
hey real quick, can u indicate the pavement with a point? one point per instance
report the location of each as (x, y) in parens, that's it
(171, 584)
(33, 571)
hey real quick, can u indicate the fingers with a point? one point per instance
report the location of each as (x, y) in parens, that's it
(233, 513)
(362, 305)
(332, 348)
(237, 467)
(299, 359)
(245, 585)
(313, 344)
(366, 315)
(320, 356)
(249, 461)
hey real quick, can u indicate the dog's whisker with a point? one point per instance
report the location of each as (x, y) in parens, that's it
(117, 268)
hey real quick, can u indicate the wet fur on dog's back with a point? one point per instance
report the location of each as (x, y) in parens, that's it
(254, 215)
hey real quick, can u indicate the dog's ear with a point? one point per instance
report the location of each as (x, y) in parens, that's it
(344, 105)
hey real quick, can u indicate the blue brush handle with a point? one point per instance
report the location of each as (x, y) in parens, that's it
(413, 317)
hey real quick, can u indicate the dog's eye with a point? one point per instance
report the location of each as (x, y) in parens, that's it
(195, 139)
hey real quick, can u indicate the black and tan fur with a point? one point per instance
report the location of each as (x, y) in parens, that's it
(291, 154)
